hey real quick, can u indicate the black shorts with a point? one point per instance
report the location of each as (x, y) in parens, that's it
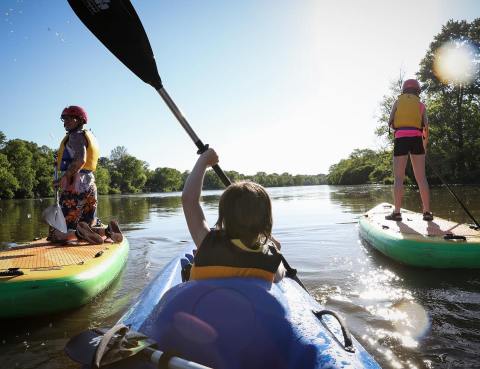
(405, 145)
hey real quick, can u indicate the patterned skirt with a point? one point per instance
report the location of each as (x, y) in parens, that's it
(79, 206)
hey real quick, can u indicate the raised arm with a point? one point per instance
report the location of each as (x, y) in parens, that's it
(196, 222)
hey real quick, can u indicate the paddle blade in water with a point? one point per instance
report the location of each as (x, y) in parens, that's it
(84, 347)
(117, 26)
(53, 216)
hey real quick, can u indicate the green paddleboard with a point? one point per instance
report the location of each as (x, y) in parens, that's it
(439, 243)
(45, 278)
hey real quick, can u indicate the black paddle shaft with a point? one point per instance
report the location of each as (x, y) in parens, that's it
(200, 145)
(118, 27)
(453, 194)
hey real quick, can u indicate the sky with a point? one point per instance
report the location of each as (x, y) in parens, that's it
(273, 85)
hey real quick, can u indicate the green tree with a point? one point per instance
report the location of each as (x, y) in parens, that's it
(43, 166)
(382, 172)
(453, 106)
(118, 153)
(165, 180)
(3, 140)
(354, 170)
(386, 106)
(129, 175)
(8, 182)
(212, 181)
(21, 162)
(102, 180)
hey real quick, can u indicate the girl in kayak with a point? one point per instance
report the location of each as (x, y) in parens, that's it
(241, 243)
(409, 120)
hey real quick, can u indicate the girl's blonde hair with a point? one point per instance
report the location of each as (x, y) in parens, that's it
(245, 213)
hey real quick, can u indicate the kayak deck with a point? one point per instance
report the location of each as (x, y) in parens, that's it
(235, 323)
(439, 243)
(35, 274)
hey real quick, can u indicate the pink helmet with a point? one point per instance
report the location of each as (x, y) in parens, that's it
(75, 111)
(411, 83)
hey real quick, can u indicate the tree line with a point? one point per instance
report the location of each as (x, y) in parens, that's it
(454, 120)
(26, 171)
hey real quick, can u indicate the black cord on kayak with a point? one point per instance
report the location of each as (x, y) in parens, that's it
(347, 337)
(11, 272)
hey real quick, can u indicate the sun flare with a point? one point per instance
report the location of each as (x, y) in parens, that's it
(456, 62)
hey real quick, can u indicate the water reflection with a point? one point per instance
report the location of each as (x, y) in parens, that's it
(429, 309)
(406, 317)
(359, 199)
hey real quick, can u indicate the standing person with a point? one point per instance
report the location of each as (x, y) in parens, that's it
(409, 120)
(77, 159)
(241, 243)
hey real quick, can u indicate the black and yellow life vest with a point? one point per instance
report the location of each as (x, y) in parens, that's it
(93, 152)
(408, 113)
(220, 257)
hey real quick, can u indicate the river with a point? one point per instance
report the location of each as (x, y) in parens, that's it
(405, 317)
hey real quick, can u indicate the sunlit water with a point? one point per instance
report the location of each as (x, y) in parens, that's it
(405, 317)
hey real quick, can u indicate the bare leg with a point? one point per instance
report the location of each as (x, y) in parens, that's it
(399, 165)
(418, 164)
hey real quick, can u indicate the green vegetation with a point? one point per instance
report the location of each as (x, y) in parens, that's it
(454, 116)
(26, 171)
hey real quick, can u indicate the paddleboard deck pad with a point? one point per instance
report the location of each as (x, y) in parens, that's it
(43, 278)
(439, 243)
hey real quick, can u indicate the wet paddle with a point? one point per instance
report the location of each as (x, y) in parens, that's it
(101, 347)
(53, 215)
(117, 25)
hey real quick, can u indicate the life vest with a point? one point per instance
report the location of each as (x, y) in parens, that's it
(64, 159)
(408, 113)
(220, 257)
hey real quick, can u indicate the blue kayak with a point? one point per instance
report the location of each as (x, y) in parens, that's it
(240, 323)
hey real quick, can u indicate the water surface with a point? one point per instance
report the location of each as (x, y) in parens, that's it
(405, 317)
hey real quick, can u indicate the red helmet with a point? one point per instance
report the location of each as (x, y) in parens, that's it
(411, 83)
(75, 111)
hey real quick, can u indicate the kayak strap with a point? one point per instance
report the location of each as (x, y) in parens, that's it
(347, 337)
(11, 272)
(186, 265)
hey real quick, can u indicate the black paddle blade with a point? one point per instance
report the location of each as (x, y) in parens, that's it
(84, 347)
(116, 24)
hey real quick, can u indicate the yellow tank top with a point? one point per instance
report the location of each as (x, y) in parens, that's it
(408, 112)
(93, 151)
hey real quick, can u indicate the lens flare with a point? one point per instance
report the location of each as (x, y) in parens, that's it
(412, 321)
(456, 62)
